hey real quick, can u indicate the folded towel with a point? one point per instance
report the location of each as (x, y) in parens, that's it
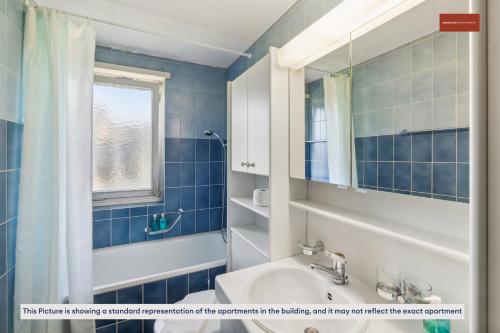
(187, 326)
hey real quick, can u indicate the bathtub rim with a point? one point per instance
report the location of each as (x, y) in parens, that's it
(100, 289)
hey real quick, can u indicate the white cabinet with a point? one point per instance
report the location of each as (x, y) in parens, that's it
(250, 104)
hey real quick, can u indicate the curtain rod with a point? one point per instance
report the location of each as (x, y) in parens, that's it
(34, 4)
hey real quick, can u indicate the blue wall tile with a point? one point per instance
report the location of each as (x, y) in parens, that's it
(370, 174)
(215, 196)
(188, 199)
(402, 176)
(138, 211)
(215, 218)
(188, 150)
(216, 173)
(120, 231)
(3, 196)
(445, 179)
(120, 212)
(385, 174)
(131, 295)
(202, 197)
(177, 288)
(11, 243)
(172, 150)
(198, 281)
(188, 223)
(202, 173)
(202, 150)
(202, 220)
(422, 147)
(463, 145)
(172, 174)
(445, 146)
(3, 248)
(137, 226)
(421, 177)
(155, 292)
(12, 193)
(107, 329)
(130, 326)
(188, 174)
(386, 148)
(14, 145)
(370, 148)
(172, 199)
(402, 147)
(463, 180)
(101, 234)
(104, 214)
(105, 298)
(3, 304)
(215, 150)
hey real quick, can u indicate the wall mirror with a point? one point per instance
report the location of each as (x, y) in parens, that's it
(402, 126)
(328, 130)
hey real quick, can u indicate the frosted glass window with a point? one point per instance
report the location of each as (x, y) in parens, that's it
(122, 138)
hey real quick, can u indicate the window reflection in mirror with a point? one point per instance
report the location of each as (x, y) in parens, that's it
(328, 119)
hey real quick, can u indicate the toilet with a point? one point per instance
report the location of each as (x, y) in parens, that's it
(191, 326)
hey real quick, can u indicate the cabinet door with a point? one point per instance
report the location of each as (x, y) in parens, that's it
(259, 78)
(239, 132)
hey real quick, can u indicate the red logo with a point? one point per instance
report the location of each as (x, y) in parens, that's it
(459, 22)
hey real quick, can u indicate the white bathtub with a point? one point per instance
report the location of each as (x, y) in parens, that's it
(127, 265)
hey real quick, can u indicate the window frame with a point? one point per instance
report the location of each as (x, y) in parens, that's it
(146, 79)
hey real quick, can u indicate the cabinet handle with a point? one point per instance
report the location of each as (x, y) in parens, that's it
(251, 164)
(244, 163)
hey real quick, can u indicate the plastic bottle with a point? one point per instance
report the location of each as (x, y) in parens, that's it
(155, 226)
(163, 222)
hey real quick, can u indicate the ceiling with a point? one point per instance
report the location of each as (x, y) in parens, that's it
(228, 24)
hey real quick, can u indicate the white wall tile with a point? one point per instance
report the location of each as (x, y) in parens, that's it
(422, 55)
(402, 61)
(463, 112)
(386, 94)
(422, 116)
(402, 91)
(3, 40)
(371, 123)
(445, 48)
(463, 76)
(445, 80)
(386, 121)
(386, 67)
(444, 113)
(370, 98)
(402, 118)
(421, 86)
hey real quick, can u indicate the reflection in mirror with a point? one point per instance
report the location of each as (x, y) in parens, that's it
(410, 107)
(328, 119)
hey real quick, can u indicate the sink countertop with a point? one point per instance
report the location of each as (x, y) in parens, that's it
(231, 288)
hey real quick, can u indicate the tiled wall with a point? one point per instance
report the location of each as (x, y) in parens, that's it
(194, 170)
(302, 14)
(411, 118)
(166, 291)
(10, 151)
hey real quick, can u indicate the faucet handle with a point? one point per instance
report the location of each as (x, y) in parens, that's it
(337, 257)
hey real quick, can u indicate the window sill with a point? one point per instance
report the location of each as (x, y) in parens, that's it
(126, 201)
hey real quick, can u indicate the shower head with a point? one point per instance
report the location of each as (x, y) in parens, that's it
(209, 132)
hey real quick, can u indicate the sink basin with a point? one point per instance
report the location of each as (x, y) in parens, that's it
(302, 286)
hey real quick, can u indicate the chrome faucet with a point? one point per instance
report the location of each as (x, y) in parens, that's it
(337, 271)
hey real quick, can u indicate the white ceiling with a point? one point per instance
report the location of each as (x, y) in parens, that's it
(229, 24)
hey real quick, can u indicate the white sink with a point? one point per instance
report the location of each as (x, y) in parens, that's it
(286, 285)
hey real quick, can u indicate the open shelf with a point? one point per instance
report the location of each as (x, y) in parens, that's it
(442, 244)
(248, 204)
(257, 237)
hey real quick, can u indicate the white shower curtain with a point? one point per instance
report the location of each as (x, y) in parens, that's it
(338, 128)
(54, 240)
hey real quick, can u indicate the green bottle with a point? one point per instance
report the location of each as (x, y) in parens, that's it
(163, 222)
(437, 326)
(155, 225)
